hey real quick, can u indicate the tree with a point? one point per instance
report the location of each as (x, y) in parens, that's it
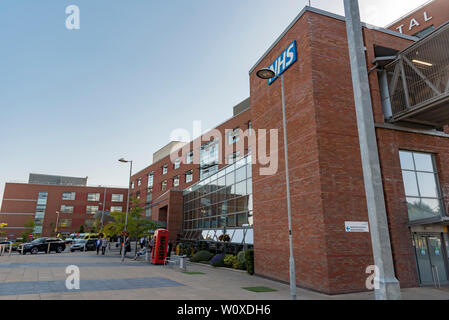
(29, 229)
(2, 225)
(137, 225)
(81, 229)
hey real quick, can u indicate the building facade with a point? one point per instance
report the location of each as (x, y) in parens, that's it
(53, 200)
(423, 20)
(327, 186)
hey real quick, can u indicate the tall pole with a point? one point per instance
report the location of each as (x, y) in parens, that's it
(387, 285)
(127, 208)
(289, 209)
(104, 205)
(57, 221)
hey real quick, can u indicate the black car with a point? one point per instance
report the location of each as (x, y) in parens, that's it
(81, 245)
(43, 245)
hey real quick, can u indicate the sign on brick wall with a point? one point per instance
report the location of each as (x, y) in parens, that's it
(352, 226)
(284, 61)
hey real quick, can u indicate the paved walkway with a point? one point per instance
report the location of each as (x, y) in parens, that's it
(43, 276)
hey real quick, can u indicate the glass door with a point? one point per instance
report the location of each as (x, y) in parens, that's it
(430, 259)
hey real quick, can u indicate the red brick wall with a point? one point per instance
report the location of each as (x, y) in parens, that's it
(326, 175)
(438, 10)
(54, 202)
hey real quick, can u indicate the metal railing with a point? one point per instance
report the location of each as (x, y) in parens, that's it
(419, 77)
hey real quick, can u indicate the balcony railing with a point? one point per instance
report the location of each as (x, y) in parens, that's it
(418, 81)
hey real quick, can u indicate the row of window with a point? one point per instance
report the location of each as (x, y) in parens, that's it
(89, 209)
(208, 159)
(70, 196)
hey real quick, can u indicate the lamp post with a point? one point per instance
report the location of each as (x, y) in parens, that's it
(269, 74)
(127, 201)
(57, 221)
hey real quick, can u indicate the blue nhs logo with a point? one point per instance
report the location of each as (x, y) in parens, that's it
(284, 61)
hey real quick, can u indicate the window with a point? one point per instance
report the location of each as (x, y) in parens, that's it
(148, 212)
(93, 197)
(165, 169)
(117, 198)
(138, 195)
(164, 185)
(150, 179)
(249, 127)
(116, 209)
(149, 195)
(189, 158)
(139, 182)
(177, 164)
(65, 223)
(233, 136)
(132, 185)
(420, 185)
(176, 181)
(425, 32)
(68, 196)
(189, 176)
(66, 209)
(89, 222)
(92, 209)
(233, 157)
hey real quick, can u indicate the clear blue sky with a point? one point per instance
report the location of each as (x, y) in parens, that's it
(73, 102)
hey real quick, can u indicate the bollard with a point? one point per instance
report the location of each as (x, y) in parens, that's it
(10, 249)
(48, 248)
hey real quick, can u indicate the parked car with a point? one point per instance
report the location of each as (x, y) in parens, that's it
(71, 238)
(5, 242)
(42, 245)
(81, 245)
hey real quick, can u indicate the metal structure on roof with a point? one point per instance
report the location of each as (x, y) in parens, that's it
(418, 81)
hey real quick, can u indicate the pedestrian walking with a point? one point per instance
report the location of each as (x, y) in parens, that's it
(104, 244)
(142, 242)
(98, 245)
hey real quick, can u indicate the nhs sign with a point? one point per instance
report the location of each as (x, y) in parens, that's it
(284, 61)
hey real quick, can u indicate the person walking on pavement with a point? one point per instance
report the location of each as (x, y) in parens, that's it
(142, 242)
(98, 245)
(104, 244)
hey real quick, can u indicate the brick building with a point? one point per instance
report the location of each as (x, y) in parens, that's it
(217, 184)
(327, 186)
(422, 20)
(44, 196)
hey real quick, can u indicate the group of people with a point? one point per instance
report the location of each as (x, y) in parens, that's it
(101, 244)
(143, 249)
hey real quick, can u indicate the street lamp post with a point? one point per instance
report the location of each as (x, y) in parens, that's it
(57, 221)
(127, 201)
(269, 74)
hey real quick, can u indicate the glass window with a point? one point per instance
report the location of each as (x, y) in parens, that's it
(150, 179)
(116, 209)
(149, 195)
(177, 164)
(164, 185)
(68, 196)
(189, 158)
(117, 198)
(92, 209)
(233, 136)
(65, 223)
(139, 182)
(420, 185)
(148, 212)
(240, 174)
(176, 181)
(165, 169)
(93, 197)
(189, 176)
(66, 209)
(132, 185)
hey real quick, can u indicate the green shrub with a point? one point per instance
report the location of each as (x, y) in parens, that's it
(241, 257)
(229, 260)
(249, 257)
(202, 256)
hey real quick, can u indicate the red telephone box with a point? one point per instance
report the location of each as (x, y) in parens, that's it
(160, 244)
